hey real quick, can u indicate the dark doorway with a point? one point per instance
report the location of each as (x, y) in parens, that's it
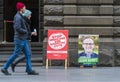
(10, 11)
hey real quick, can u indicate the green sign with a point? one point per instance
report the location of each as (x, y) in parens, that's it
(87, 60)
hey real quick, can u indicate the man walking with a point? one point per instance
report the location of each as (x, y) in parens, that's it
(21, 41)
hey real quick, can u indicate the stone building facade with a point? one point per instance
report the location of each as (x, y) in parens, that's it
(82, 17)
(1, 20)
(87, 17)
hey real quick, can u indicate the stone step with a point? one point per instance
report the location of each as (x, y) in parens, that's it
(12, 48)
(33, 59)
(24, 64)
(7, 49)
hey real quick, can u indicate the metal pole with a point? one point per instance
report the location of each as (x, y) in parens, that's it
(4, 41)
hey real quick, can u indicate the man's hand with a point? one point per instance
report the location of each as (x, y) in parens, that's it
(34, 33)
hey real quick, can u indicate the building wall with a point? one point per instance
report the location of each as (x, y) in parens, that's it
(83, 17)
(86, 17)
(1, 20)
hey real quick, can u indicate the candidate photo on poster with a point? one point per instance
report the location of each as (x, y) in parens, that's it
(88, 50)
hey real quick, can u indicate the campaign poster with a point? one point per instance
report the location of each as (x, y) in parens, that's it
(88, 49)
(57, 46)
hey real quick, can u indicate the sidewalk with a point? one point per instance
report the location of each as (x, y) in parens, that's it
(59, 74)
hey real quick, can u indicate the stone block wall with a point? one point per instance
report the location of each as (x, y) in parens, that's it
(1, 20)
(87, 17)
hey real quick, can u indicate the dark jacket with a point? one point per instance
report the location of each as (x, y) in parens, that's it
(93, 55)
(20, 29)
(28, 23)
(83, 54)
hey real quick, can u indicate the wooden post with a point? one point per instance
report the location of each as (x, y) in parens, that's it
(46, 63)
(50, 62)
(65, 63)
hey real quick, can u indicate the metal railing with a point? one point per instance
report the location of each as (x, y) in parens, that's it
(5, 29)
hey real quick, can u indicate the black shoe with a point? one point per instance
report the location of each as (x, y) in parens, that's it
(33, 73)
(13, 67)
(4, 71)
(26, 70)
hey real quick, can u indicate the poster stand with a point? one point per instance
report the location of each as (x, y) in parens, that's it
(88, 50)
(57, 46)
(47, 63)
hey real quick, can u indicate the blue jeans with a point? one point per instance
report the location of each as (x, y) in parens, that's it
(21, 45)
